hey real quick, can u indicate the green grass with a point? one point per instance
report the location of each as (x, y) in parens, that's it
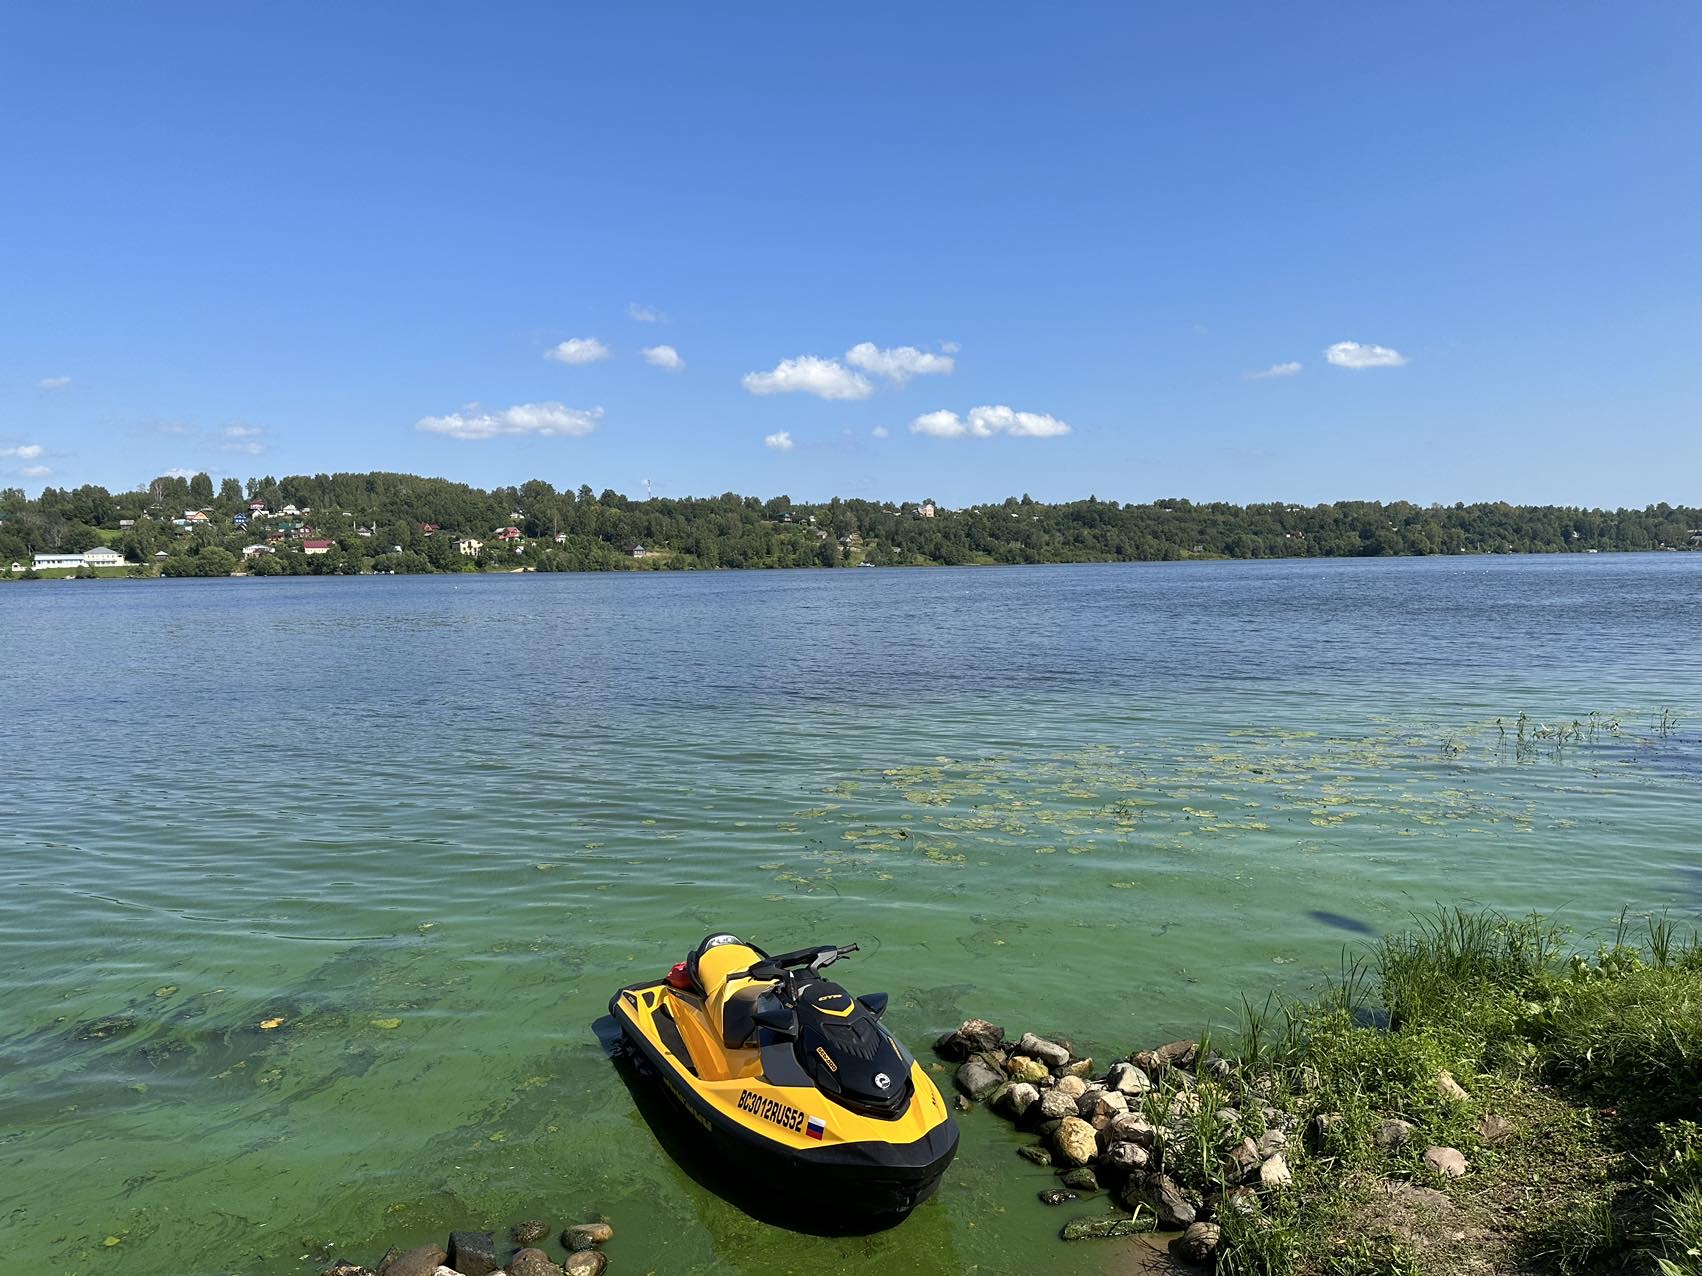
(1595, 1059)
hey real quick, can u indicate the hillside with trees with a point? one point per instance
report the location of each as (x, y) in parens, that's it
(404, 523)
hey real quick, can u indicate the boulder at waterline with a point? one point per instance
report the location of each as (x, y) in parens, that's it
(1056, 1196)
(1075, 1143)
(1037, 1153)
(1132, 1127)
(587, 1235)
(1055, 1105)
(972, 1037)
(1161, 1193)
(1049, 1053)
(1114, 1225)
(472, 1253)
(343, 1267)
(1176, 1054)
(421, 1261)
(586, 1262)
(1081, 1179)
(1075, 1087)
(533, 1262)
(529, 1231)
(977, 1079)
(1128, 1157)
(1016, 1099)
(1127, 1079)
(1023, 1068)
(1199, 1243)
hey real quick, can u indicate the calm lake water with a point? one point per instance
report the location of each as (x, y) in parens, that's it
(431, 823)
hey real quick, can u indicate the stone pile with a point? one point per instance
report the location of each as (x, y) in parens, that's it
(1176, 1136)
(476, 1254)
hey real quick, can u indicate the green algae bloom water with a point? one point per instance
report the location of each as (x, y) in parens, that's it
(315, 891)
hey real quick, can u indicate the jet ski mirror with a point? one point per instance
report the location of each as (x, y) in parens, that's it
(874, 1003)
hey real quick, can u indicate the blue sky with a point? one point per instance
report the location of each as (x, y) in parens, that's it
(275, 239)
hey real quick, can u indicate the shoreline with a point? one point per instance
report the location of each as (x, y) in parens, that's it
(128, 573)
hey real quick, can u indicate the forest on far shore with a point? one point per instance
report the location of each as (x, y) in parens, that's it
(404, 523)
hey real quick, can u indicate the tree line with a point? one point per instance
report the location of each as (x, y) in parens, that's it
(404, 523)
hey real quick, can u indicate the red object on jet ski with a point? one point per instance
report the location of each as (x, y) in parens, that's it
(679, 977)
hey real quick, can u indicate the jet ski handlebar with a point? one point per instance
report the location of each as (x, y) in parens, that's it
(777, 967)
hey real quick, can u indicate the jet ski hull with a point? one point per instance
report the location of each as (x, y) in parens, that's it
(775, 1128)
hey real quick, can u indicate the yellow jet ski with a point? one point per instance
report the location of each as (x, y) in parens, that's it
(796, 1081)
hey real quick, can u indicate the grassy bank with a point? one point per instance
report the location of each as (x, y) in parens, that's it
(1578, 1097)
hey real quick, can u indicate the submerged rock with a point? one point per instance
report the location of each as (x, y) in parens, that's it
(528, 1231)
(1056, 1196)
(472, 1253)
(1082, 1179)
(533, 1262)
(1082, 1229)
(586, 1262)
(1036, 1152)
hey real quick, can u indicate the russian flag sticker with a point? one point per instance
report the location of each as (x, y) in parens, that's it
(816, 1128)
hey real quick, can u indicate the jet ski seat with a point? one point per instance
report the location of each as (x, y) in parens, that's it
(729, 1003)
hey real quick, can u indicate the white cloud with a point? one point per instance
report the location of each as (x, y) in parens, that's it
(578, 350)
(664, 357)
(53, 383)
(950, 347)
(880, 431)
(35, 471)
(248, 440)
(1289, 369)
(826, 378)
(23, 452)
(181, 473)
(985, 422)
(547, 419)
(1351, 354)
(645, 314)
(781, 442)
(898, 364)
